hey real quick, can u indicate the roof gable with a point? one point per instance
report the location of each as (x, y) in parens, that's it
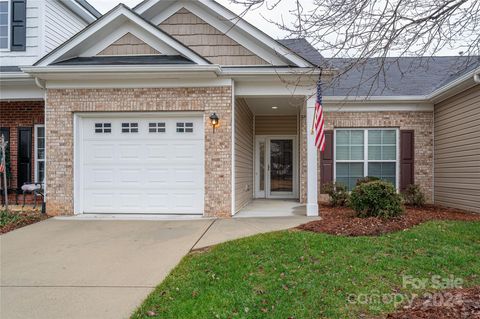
(120, 24)
(208, 41)
(245, 35)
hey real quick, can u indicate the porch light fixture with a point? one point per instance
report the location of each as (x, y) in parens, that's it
(214, 120)
(275, 107)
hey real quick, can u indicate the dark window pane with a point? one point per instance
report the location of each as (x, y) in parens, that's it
(281, 166)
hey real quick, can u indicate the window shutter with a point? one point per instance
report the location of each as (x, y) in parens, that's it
(326, 163)
(19, 25)
(407, 158)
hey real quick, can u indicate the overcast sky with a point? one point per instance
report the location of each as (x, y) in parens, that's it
(256, 17)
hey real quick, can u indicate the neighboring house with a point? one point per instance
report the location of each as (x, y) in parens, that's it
(129, 102)
(29, 29)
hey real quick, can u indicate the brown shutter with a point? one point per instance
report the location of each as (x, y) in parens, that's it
(407, 158)
(326, 163)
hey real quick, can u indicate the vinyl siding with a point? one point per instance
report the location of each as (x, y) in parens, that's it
(276, 125)
(60, 24)
(129, 45)
(457, 151)
(207, 41)
(243, 154)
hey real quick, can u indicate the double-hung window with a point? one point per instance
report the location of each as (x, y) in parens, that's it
(4, 24)
(39, 153)
(366, 152)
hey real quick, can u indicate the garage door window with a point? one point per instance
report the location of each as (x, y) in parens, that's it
(129, 127)
(184, 127)
(103, 128)
(157, 127)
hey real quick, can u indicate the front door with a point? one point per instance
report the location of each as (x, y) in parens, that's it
(276, 167)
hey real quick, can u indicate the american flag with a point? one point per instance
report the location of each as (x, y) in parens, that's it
(319, 120)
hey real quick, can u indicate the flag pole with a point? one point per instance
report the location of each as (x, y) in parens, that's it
(312, 131)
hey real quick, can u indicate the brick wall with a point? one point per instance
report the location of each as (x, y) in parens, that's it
(420, 122)
(15, 114)
(61, 105)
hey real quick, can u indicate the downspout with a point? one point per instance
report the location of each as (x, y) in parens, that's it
(40, 83)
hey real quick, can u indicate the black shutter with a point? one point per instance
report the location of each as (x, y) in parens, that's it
(24, 160)
(407, 158)
(326, 161)
(19, 25)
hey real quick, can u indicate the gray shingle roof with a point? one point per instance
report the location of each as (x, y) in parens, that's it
(304, 49)
(399, 77)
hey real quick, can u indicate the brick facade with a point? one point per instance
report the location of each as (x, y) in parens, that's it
(420, 122)
(16, 114)
(63, 103)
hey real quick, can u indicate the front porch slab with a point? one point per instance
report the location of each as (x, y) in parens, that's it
(272, 208)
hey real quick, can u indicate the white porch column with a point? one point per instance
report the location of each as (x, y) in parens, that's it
(312, 173)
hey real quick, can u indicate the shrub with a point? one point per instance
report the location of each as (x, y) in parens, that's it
(376, 199)
(414, 196)
(338, 193)
(367, 179)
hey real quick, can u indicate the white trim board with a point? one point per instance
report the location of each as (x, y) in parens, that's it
(373, 107)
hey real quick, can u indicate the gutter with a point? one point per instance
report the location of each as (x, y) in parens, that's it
(476, 78)
(449, 86)
(44, 71)
(120, 69)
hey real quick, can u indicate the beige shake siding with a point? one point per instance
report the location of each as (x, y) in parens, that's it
(207, 41)
(243, 154)
(276, 125)
(129, 45)
(457, 151)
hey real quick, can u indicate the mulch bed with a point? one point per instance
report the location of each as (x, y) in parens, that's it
(460, 303)
(24, 219)
(343, 221)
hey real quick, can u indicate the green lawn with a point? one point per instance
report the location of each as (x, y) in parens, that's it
(296, 274)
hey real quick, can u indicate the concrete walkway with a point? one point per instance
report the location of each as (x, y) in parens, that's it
(103, 269)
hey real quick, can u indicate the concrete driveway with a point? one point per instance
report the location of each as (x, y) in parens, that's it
(103, 269)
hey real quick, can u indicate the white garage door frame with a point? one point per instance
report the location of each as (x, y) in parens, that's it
(78, 183)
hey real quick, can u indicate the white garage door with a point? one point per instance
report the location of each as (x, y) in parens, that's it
(151, 164)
